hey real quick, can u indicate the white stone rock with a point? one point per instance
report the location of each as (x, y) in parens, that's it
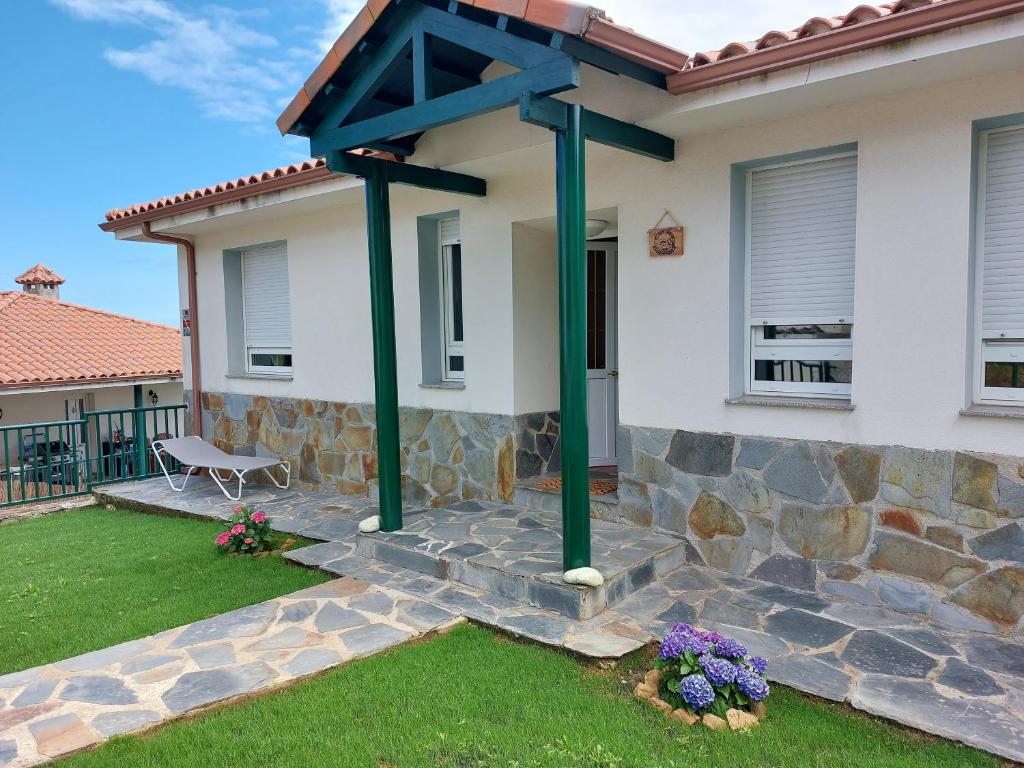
(587, 577)
(370, 524)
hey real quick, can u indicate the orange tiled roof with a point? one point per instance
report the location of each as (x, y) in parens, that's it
(40, 273)
(48, 342)
(823, 37)
(818, 38)
(296, 174)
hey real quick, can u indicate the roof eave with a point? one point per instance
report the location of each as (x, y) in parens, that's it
(858, 37)
(289, 181)
(28, 387)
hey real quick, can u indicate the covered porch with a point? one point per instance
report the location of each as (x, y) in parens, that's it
(416, 66)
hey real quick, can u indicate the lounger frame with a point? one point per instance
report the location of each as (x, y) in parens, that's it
(159, 449)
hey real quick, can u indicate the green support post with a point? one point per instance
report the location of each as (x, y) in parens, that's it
(139, 432)
(570, 161)
(385, 369)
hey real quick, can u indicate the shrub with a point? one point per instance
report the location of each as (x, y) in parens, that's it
(248, 532)
(706, 672)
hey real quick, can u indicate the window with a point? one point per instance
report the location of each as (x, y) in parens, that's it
(800, 240)
(450, 270)
(266, 310)
(999, 304)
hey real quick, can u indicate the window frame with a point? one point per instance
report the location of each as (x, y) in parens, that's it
(816, 349)
(985, 348)
(250, 351)
(449, 346)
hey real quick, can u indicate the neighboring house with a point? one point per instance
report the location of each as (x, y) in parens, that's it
(59, 360)
(831, 376)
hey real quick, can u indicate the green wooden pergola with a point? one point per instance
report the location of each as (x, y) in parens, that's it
(418, 67)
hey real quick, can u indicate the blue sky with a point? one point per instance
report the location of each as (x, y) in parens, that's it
(111, 102)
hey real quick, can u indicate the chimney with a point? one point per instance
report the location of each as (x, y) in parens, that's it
(40, 280)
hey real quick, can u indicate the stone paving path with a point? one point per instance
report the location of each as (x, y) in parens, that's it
(59, 708)
(949, 675)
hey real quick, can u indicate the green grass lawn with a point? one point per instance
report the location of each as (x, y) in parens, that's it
(83, 580)
(470, 699)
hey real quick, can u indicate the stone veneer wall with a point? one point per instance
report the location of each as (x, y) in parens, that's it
(447, 456)
(931, 532)
(538, 448)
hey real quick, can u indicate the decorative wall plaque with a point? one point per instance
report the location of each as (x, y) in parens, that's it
(665, 241)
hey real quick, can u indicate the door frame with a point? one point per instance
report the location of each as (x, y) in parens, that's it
(610, 371)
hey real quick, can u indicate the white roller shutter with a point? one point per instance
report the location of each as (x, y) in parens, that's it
(449, 231)
(265, 289)
(1002, 236)
(802, 236)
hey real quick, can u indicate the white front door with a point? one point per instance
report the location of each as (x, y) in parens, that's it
(602, 358)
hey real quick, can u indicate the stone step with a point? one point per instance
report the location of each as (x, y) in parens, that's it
(604, 507)
(542, 590)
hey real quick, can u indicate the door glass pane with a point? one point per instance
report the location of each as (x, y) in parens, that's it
(456, 292)
(596, 309)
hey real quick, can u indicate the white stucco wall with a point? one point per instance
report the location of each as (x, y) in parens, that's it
(535, 318)
(913, 252)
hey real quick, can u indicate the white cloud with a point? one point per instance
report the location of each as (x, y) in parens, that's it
(209, 53)
(699, 25)
(339, 14)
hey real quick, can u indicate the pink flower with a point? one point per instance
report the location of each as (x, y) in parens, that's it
(222, 539)
(237, 510)
(248, 539)
(259, 517)
(237, 529)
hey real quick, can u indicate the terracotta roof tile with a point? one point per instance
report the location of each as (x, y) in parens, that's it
(40, 273)
(816, 39)
(301, 173)
(823, 37)
(49, 342)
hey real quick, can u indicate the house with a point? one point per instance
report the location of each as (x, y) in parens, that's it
(459, 294)
(59, 361)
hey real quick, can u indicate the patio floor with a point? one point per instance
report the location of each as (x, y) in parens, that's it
(960, 683)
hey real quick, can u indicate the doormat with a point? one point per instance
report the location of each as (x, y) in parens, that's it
(597, 487)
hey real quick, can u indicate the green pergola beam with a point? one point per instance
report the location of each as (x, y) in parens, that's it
(385, 368)
(552, 113)
(570, 180)
(544, 79)
(406, 173)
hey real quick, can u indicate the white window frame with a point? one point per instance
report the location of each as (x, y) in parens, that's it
(756, 347)
(449, 346)
(987, 348)
(250, 351)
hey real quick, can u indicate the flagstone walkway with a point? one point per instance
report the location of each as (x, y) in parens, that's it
(952, 674)
(58, 708)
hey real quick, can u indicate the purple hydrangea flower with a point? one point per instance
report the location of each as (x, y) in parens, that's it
(730, 649)
(676, 644)
(683, 629)
(752, 684)
(718, 671)
(713, 637)
(759, 664)
(673, 646)
(696, 691)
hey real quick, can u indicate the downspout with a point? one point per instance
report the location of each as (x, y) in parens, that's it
(193, 305)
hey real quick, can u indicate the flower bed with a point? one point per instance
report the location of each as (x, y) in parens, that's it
(706, 677)
(248, 533)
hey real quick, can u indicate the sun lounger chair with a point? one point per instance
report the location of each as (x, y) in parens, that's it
(196, 454)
